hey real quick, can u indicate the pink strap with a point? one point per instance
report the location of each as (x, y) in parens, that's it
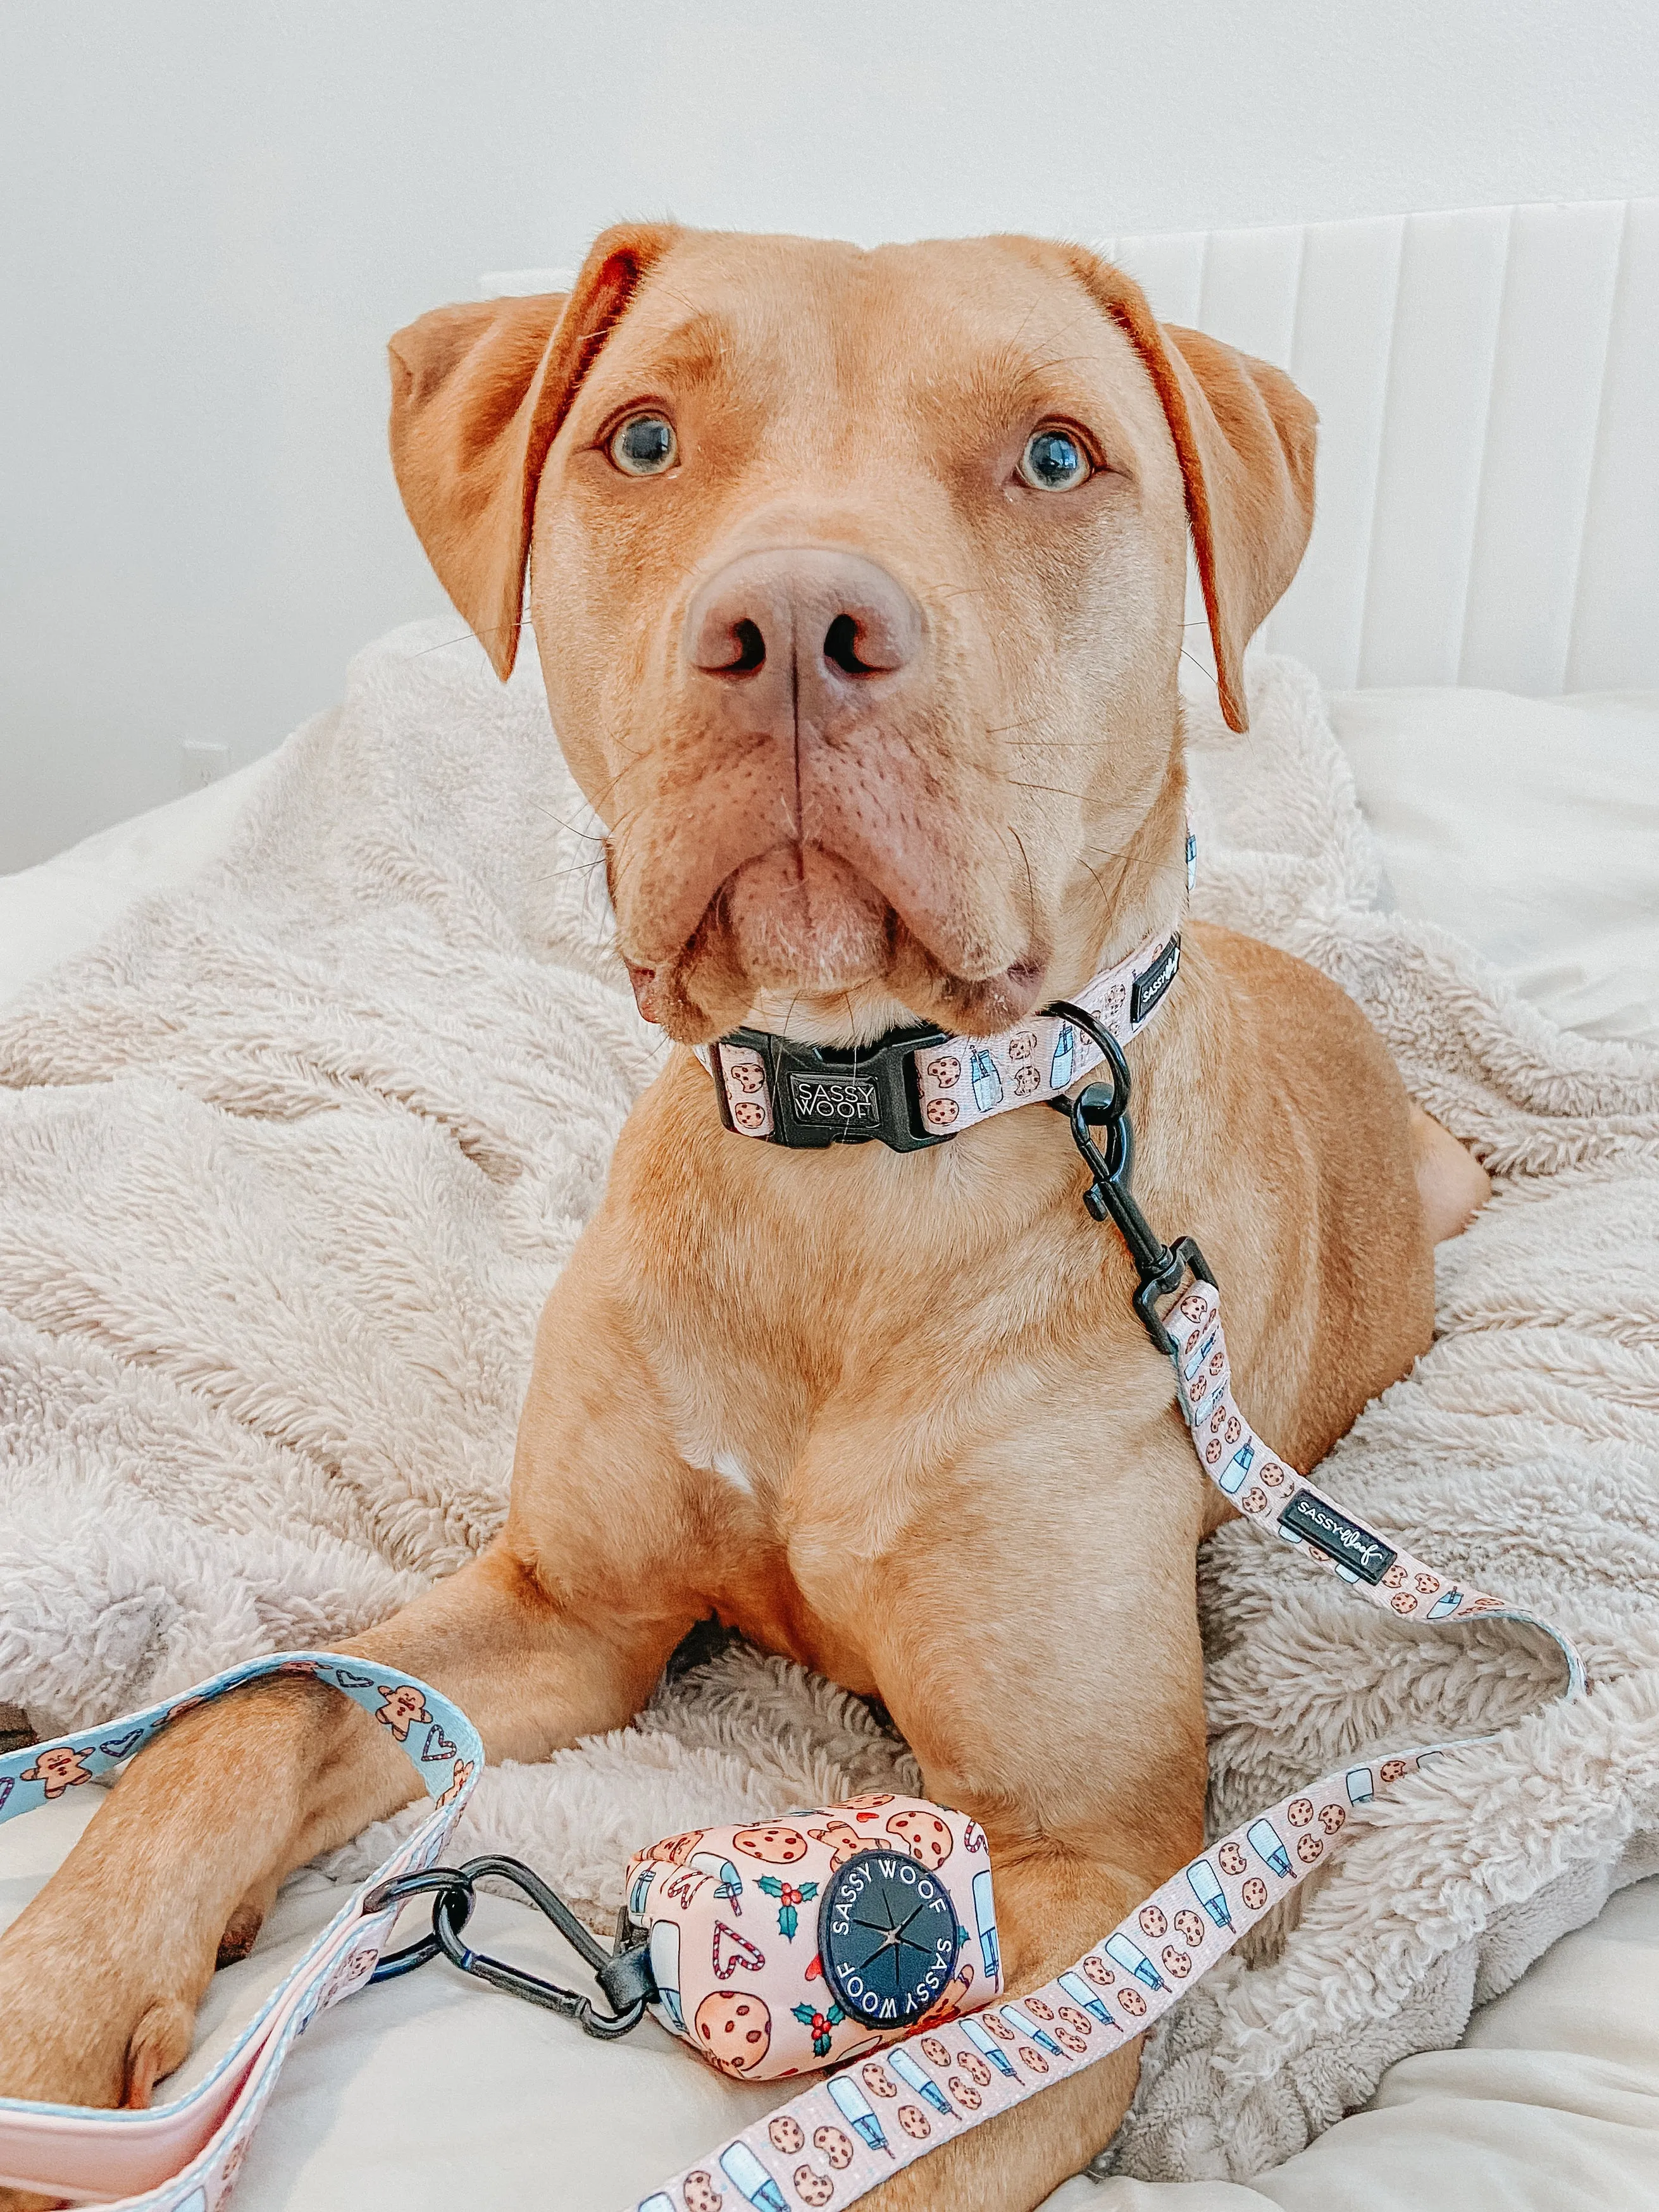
(848, 2133)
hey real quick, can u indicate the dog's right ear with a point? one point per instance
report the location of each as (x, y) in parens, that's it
(477, 396)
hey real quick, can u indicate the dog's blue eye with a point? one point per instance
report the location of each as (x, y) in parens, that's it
(1054, 460)
(644, 446)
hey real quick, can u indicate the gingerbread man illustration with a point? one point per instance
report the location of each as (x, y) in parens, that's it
(458, 1781)
(842, 1840)
(401, 1706)
(59, 1770)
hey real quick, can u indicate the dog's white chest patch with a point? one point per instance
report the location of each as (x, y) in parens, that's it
(730, 1468)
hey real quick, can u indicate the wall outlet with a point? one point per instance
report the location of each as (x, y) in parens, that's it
(201, 765)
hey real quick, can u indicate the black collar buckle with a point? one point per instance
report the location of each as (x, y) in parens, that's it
(826, 1094)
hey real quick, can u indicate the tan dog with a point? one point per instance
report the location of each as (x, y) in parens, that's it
(858, 582)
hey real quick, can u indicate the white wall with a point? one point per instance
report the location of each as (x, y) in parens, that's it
(212, 215)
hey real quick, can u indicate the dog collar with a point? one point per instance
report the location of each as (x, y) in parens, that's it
(920, 1086)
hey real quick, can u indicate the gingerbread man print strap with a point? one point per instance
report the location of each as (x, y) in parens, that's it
(183, 2155)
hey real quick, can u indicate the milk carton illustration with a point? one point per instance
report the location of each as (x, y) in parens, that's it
(659, 2202)
(982, 1074)
(1196, 1359)
(1263, 1839)
(1361, 1789)
(855, 2109)
(907, 2071)
(1060, 1068)
(1118, 1947)
(1028, 2028)
(1232, 1477)
(1205, 1884)
(640, 1889)
(985, 1921)
(1448, 1601)
(728, 1882)
(987, 2047)
(664, 1955)
(1192, 859)
(745, 2170)
(1091, 2001)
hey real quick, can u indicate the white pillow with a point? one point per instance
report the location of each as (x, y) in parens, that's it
(1530, 827)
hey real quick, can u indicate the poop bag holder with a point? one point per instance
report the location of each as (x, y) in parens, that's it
(781, 1949)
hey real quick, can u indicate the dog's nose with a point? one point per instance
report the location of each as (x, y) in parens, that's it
(800, 630)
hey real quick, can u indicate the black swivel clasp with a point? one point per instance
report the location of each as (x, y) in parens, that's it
(1162, 1268)
(623, 1975)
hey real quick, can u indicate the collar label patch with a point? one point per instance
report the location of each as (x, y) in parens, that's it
(1318, 1521)
(1151, 986)
(844, 1102)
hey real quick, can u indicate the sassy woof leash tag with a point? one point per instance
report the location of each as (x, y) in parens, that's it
(781, 1947)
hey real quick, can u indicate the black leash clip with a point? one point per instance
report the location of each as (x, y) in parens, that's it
(624, 1974)
(1162, 1268)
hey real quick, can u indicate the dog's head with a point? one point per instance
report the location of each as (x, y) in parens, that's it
(858, 579)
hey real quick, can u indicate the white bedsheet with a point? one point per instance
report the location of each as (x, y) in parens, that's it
(1528, 827)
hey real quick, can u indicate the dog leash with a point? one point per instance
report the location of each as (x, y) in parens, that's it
(960, 2072)
(855, 2128)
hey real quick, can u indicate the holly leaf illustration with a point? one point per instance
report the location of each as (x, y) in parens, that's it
(770, 1885)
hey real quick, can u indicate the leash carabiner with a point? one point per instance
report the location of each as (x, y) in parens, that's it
(624, 1975)
(1162, 1268)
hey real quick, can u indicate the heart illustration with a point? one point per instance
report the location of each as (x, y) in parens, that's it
(119, 1746)
(437, 1744)
(733, 1951)
(348, 1681)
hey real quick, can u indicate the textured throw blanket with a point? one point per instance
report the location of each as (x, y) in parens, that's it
(289, 1163)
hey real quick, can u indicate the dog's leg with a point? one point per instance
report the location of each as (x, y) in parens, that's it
(1068, 1718)
(101, 1975)
(559, 1630)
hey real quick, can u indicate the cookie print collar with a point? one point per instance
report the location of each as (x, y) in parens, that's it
(915, 1087)
(920, 1086)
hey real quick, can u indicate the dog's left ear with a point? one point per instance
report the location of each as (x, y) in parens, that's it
(478, 393)
(1245, 437)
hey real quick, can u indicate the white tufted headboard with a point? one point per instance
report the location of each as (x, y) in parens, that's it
(1488, 390)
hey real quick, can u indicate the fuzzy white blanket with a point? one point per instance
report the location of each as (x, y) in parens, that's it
(289, 1163)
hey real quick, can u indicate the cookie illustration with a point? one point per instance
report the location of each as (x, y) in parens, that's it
(734, 2028)
(924, 1835)
(787, 2134)
(836, 2145)
(915, 2123)
(812, 2187)
(1255, 1893)
(774, 1846)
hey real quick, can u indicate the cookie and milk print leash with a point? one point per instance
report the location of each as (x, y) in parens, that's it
(848, 2134)
(850, 2131)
